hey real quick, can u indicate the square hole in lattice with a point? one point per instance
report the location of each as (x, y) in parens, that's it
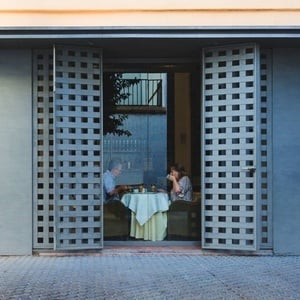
(235, 208)
(235, 185)
(208, 218)
(235, 152)
(249, 231)
(249, 219)
(235, 219)
(208, 196)
(208, 229)
(222, 230)
(235, 96)
(40, 207)
(208, 163)
(208, 207)
(208, 185)
(221, 196)
(40, 185)
(249, 208)
(97, 219)
(235, 197)
(208, 240)
(235, 230)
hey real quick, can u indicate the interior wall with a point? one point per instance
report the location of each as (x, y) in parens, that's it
(15, 153)
(286, 149)
(182, 119)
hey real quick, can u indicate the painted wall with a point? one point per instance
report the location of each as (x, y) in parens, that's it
(150, 13)
(15, 153)
(286, 149)
(182, 126)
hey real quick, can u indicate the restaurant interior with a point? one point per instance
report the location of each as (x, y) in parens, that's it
(158, 106)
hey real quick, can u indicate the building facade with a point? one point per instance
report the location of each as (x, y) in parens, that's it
(233, 105)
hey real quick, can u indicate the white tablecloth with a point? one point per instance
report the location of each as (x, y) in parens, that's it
(149, 217)
(145, 205)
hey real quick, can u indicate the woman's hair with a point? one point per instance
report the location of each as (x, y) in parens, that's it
(179, 168)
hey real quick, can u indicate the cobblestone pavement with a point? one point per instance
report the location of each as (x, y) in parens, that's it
(147, 274)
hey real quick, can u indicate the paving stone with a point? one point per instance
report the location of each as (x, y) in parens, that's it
(148, 274)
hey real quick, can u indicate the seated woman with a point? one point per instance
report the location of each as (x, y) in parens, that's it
(181, 184)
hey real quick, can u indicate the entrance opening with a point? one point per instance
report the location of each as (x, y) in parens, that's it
(153, 121)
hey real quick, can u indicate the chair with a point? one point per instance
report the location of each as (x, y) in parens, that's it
(184, 220)
(116, 220)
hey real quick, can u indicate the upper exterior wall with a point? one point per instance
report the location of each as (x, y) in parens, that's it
(149, 13)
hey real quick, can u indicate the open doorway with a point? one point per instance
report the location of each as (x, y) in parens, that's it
(160, 115)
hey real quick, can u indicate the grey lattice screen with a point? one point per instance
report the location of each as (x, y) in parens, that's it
(78, 148)
(265, 148)
(43, 176)
(229, 147)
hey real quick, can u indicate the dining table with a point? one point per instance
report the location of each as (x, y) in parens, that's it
(148, 214)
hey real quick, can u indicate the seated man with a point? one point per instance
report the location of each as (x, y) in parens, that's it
(110, 190)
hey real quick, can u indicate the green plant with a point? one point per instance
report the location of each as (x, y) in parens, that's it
(114, 92)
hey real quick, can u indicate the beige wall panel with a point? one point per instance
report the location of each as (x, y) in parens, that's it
(153, 4)
(205, 18)
(150, 13)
